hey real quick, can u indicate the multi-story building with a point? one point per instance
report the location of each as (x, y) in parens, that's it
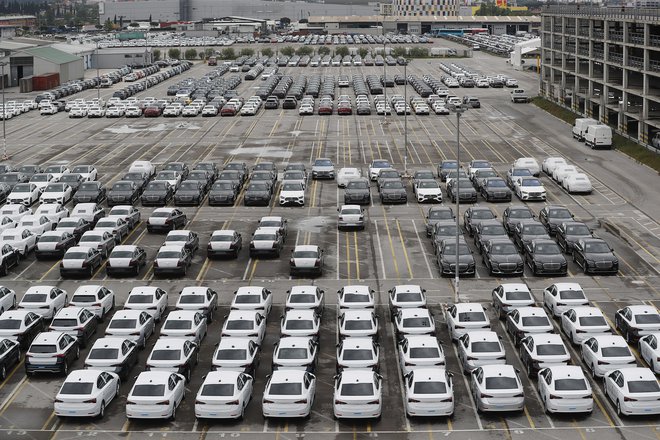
(425, 8)
(604, 63)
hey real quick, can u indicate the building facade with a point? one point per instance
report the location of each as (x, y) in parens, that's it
(605, 64)
(426, 8)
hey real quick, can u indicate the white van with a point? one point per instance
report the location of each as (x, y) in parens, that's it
(580, 127)
(598, 136)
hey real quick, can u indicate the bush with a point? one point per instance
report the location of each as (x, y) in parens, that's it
(156, 54)
(342, 51)
(287, 51)
(228, 53)
(247, 51)
(174, 53)
(363, 52)
(399, 52)
(304, 50)
(323, 50)
(190, 54)
(419, 52)
(208, 52)
(267, 52)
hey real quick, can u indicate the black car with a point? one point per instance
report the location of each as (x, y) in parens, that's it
(90, 258)
(475, 215)
(223, 192)
(445, 167)
(210, 167)
(23, 324)
(480, 175)
(502, 258)
(272, 103)
(568, 233)
(463, 188)
(75, 226)
(30, 170)
(179, 167)
(6, 168)
(264, 176)
(51, 352)
(62, 243)
(203, 176)
(258, 193)
(10, 355)
(190, 193)
(241, 167)
(437, 214)
(157, 193)
(594, 255)
(392, 191)
(9, 257)
(4, 192)
(526, 231)
(494, 189)
(74, 180)
(234, 176)
(552, 216)
(514, 214)
(140, 179)
(90, 192)
(124, 192)
(358, 192)
(166, 219)
(487, 230)
(101, 352)
(544, 257)
(13, 179)
(447, 258)
(136, 256)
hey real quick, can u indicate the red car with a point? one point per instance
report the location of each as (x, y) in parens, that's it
(344, 110)
(325, 109)
(228, 110)
(152, 111)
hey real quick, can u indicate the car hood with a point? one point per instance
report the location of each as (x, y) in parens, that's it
(512, 258)
(292, 193)
(558, 258)
(261, 194)
(604, 256)
(462, 259)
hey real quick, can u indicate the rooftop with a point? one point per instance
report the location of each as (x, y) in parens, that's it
(433, 18)
(648, 14)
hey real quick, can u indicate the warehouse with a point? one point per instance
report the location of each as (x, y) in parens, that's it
(112, 58)
(42, 60)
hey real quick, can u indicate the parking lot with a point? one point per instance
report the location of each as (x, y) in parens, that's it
(393, 249)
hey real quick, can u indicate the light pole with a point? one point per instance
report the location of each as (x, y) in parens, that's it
(5, 156)
(459, 110)
(384, 121)
(98, 76)
(405, 119)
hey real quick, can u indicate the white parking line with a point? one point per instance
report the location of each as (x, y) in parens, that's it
(380, 251)
(421, 245)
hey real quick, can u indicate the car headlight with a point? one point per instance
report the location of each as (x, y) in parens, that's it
(591, 262)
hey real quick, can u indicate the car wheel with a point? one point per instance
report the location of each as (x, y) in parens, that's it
(3, 268)
(25, 252)
(3, 373)
(65, 368)
(618, 409)
(173, 415)
(102, 410)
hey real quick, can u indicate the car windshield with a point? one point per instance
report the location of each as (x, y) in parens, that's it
(43, 349)
(305, 254)
(223, 186)
(547, 249)
(643, 386)
(471, 317)
(559, 213)
(531, 182)
(77, 388)
(240, 325)
(122, 186)
(88, 187)
(166, 355)
(597, 248)
(616, 351)
(357, 185)
(22, 187)
(430, 388)
(161, 214)
(218, 390)
(422, 175)
(294, 175)
(571, 294)
(430, 184)
(34, 298)
(480, 164)
(501, 383)
(450, 249)
(80, 169)
(157, 186)
(355, 354)
(70, 178)
(416, 322)
(121, 254)
(449, 165)
(133, 176)
(592, 321)
(292, 353)
(39, 178)
(535, 321)
(323, 163)
(10, 324)
(123, 323)
(550, 349)
(104, 353)
(578, 230)
(648, 319)
(496, 183)
(148, 390)
(258, 187)
(534, 230)
(264, 237)
(178, 325)
(520, 213)
(292, 187)
(285, 389)
(441, 215)
(503, 249)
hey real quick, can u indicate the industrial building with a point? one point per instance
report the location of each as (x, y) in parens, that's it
(44, 60)
(113, 58)
(604, 63)
(425, 8)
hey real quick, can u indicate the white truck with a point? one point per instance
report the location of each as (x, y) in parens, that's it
(580, 127)
(598, 136)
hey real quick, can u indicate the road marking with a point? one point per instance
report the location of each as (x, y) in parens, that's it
(357, 257)
(380, 251)
(403, 246)
(389, 236)
(469, 392)
(10, 398)
(529, 418)
(48, 421)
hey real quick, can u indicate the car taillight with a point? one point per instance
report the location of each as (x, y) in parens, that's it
(97, 305)
(199, 402)
(89, 401)
(410, 400)
(629, 399)
(164, 402)
(168, 221)
(128, 402)
(58, 401)
(268, 401)
(519, 395)
(180, 263)
(485, 396)
(209, 247)
(155, 263)
(301, 401)
(60, 355)
(603, 363)
(373, 402)
(339, 402)
(131, 263)
(588, 396)
(554, 396)
(448, 399)
(135, 334)
(84, 263)
(292, 262)
(317, 263)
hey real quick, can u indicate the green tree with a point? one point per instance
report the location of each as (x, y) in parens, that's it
(246, 51)
(363, 52)
(108, 26)
(287, 51)
(134, 24)
(399, 52)
(228, 53)
(156, 53)
(342, 50)
(191, 54)
(419, 52)
(208, 52)
(323, 50)
(491, 9)
(304, 50)
(267, 52)
(174, 53)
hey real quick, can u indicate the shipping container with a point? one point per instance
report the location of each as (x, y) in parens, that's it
(46, 81)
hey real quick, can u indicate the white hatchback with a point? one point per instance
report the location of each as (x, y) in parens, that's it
(633, 391)
(150, 299)
(604, 353)
(289, 393)
(420, 352)
(356, 297)
(357, 394)
(155, 395)
(497, 388)
(429, 392)
(581, 323)
(97, 299)
(465, 317)
(223, 395)
(565, 389)
(45, 301)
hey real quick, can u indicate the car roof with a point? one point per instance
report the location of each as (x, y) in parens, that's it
(357, 375)
(303, 314)
(220, 232)
(234, 342)
(568, 286)
(77, 249)
(153, 376)
(249, 290)
(421, 341)
(402, 288)
(222, 376)
(312, 248)
(54, 233)
(639, 372)
(50, 337)
(39, 289)
(296, 290)
(127, 314)
(295, 341)
(358, 342)
(546, 338)
(169, 343)
(640, 309)
(531, 311)
(610, 340)
(168, 210)
(499, 370)
(587, 311)
(83, 375)
(430, 374)
(143, 290)
(567, 371)
(514, 287)
(182, 315)
(171, 247)
(69, 312)
(194, 290)
(350, 207)
(287, 376)
(267, 230)
(109, 342)
(483, 335)
(125, 247)
(414, 312)
(242, 314)
(14, 314)
(469, 307)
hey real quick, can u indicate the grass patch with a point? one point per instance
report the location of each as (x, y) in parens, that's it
(624, 145)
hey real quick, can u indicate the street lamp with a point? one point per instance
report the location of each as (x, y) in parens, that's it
(5, 156)
(405, 119)
(384, 121)
(459, 110)
(98, 76)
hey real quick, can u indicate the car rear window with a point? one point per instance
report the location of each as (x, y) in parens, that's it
(501, 383)
(424, 352)
(43, 348)
(571, 294)
(647, 319)
(416, 322)
(643, 386)
(357, 389)
(430, 388)
(166, 355)
(358, 324)
(550, 349)
(218, 389)
(231, 354)
(592, 321)
(486, 347)
(535, 321)
(248, 299)
(192, 299)
(409, 296)
(64, 322)
(178, 325)
(286, 389)
(299, 324)
(356, 297)
(140, 299)
(240, 325)
(104, 353)
(570, 385)
(471, 317)
(293, 353)
(302, 298)
(10, 324)
(148, 390)
(34, 298)
(123, 323)
(358, 355)
(615, 351)
(77, 388)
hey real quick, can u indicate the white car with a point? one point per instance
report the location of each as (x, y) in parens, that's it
(104, 242)
(186, 324)
(360, 323)
(88, 172)
(54, 211)
(560, 297)
(36, 224)
(132, 111)
(539, 351)
(199, 298)
(300, 322)
(292, 193)
(565, 389)
(56, 193)
(174, 355)
(345, 175)
(357, 394)
(253, 298)
(152, 300)
(497, 388)
(427, 191)
(356, 297)
(115, 226)
(563, 171)
(527, 320)
(479, 348)
(406, 296)
(550, 163)
(581, 323)
(223, 395)
(375, 166)
(90, 212)
(429, 392)
(42, 180)
(97, 299)
(15, 212)
(509, 296)
(649, 350)
(605, 353)
(135, 325)
(477, 165)
(142, 166)
(413, 321)
(24, 194)
(209, 110)
(420, 352)
(7, 223)
(86, 393)
(577, 183)
(289, 394)
(245, 323)
(305, 297)
(130, 214)
(357, 352)
(116, 355)
(528, 162)
(637, 320)
(7, 299)
(45, 301)
(49, 109)
(155, 395)
(306, 110)
(529, 188)
(19, 238)
(295, 353)
(633, 391)
(350, 216)
(465, 317)
(235, 353)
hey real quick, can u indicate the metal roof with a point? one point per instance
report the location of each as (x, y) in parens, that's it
(429, 18)
(52, 55)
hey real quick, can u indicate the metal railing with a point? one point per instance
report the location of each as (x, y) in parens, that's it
(583, 51)
(597, 54)
(651, 14)
(654, 40)
(654, 65)
(615, 35)
(615, 58)
(570, 30)
(582, 32)
(636, 62)
(635, 37)
(599, 35)
(569, 48)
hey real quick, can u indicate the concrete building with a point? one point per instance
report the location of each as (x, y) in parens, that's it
(76, 48)
(112, 58)
(425, 8)
(42, 60)
(604, 63)
(29, 21)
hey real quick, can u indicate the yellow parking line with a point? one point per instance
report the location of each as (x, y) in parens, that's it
(147, 275)
(203, 270)
(450, 426)
(578, 429)
(405, 252)
(389, 236)
(55, 265)
(602, 409)
(15, 393)
(368, 426)
(48, 421)
(254, 268)
(357, 258)
(529, 419)
(126, 425)
(11, 373)
(348, 256)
